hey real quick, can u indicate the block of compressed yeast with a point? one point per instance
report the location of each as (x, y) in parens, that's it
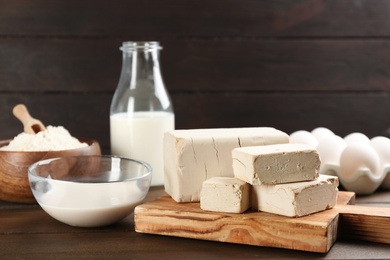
(296, 199)
(273, 164)
(225, 194)
(193, 156)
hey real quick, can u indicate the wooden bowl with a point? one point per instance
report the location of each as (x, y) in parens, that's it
(14, 184)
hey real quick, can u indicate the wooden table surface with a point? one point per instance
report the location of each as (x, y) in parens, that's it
(27, 232)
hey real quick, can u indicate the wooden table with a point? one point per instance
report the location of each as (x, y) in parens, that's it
(27, 232)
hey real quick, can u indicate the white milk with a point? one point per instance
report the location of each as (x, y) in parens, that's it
(140, 136)
(90, 217)
(90, 204)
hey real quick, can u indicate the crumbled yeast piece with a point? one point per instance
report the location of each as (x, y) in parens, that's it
(225, 194)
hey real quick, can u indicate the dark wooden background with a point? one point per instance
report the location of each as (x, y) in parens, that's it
(292, 64)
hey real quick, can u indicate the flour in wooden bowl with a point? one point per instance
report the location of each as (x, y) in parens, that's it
(54, 138)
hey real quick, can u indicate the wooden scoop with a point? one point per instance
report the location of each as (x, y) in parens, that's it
(31, 125)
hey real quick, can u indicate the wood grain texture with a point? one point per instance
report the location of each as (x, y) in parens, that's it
(199, 65)
(202, 18)
(287, 64)
(87, 114)
(314, 233)
(365, 223)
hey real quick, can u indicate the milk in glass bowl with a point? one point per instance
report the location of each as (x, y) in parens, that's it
(89, 191)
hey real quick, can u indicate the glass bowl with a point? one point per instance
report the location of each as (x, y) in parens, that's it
(89, 191)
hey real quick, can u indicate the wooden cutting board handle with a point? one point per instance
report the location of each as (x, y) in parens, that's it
(364, 223)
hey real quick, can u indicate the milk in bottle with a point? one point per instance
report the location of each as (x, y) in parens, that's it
(141, 109)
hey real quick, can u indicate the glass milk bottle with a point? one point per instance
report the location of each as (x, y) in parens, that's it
(141, 109)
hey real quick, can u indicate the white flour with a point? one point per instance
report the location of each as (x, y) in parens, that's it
(51, 139)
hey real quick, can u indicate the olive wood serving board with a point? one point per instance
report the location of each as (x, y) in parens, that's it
(314, 233)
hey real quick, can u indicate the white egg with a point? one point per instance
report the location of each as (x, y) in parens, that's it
(321, 132)
(381, 145)
(356, 156)
(356, 137)
(330, 149)
(303, 137)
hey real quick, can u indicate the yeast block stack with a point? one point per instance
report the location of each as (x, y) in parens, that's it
(233, 169)
(194, 156)
(285, 179)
